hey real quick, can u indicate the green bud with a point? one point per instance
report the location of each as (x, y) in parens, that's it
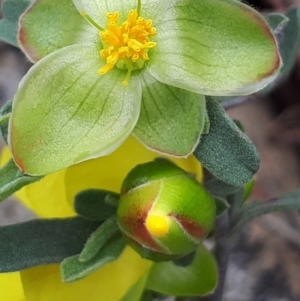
(164, 212)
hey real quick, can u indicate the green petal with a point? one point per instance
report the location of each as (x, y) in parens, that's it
(214, 47)
(59, 25)
(171, 119)
(97, 9)
(65, 113)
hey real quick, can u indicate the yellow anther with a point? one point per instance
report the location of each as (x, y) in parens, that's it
(113, 17)
(105, 68)
(157, 225)
(128, 41)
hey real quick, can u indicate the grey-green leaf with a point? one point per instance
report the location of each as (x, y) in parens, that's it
(12, 10)
(41, 242)
(98, 239)
(5, 111)
(12, 179)
(95, 204)
(226, 151)
(289, 44)
(277, 22)
(72, 269)
(287, 201)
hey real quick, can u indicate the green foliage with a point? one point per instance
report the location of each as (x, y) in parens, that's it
(226, 151)
(99, 239)
(287, 201)
(277, 22)
(12, 10)
(4, 113)
(12, 179)
(73, 269)
(221, 205)
(198, 278)
(95, 204)
(289, 42)
(41, 242)
(185, 260)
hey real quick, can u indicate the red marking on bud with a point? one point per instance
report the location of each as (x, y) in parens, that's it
(191, 227)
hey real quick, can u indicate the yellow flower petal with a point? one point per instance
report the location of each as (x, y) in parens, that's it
(53, 196)
(108, 284)
(11, 287)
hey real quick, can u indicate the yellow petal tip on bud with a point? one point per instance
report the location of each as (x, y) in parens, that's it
(157, 225)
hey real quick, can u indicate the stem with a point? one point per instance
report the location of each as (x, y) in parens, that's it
(139, 5)
(90, 20)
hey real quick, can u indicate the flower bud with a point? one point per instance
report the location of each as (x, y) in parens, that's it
(164, 212)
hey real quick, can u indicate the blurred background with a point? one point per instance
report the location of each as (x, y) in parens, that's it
(265, 264)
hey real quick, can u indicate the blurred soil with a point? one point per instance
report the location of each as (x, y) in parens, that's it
(265, 264)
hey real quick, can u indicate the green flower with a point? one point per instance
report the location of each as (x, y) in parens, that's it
(135, 66)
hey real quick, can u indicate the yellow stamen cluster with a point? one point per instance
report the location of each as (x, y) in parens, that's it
(129, 41)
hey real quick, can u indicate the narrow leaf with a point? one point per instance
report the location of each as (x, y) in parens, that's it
(199, 278)
(5, 110)
(277, 22)
(98, 239)
(287, 201)
(95, 204)
(41, 242)
(226, 151)
(221, 205)
(12, 179)
(72, 269)
(12, 10)
(289, 43)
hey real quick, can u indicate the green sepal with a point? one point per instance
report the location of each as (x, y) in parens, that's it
(95, 204)
(199, 278)
(221, 205)
(171, 119)
(59, 25)
(135, 292)
(12, 179)
(5, 110)
(98, 239)
(72, 269)
(40, 242)
(226, 151)
(185, 260)
(11, 10)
